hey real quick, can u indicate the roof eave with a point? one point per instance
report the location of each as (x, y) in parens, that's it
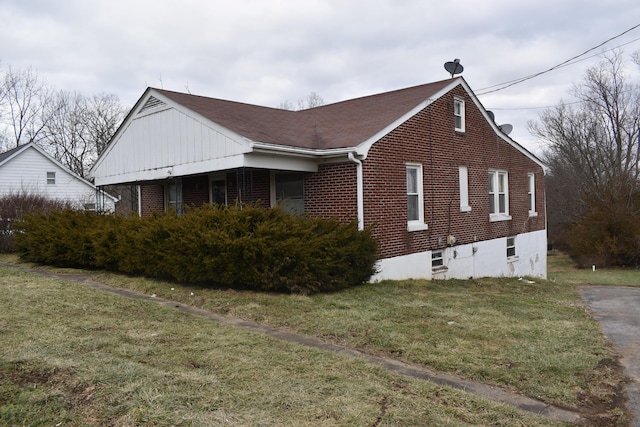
(270, 148)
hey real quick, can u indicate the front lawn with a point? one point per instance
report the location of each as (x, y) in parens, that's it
(72, 356)
(535, 337)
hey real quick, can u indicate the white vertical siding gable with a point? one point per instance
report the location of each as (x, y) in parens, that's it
(161, 136)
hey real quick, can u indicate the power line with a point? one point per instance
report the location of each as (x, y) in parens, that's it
(562, 64)
(534, 108)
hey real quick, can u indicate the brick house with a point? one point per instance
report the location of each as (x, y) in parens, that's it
(447, 192)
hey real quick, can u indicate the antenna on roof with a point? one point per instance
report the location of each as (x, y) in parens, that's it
(454, 67)
(506, 128)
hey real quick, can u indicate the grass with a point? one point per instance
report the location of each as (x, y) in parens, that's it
(562, 269)
(535, 338)
(72, 355)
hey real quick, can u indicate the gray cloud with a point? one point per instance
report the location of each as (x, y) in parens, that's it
(268, 51)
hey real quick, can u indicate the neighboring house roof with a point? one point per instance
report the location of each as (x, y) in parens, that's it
(15, 152)
(8, 154)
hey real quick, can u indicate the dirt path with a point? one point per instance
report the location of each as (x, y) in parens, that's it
(493, 393)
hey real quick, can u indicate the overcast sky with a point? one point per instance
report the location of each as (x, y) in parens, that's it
(269, 51)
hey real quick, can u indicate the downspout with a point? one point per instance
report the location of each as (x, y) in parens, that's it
(139, 201)
(359, 188)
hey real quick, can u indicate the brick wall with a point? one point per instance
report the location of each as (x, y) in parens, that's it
(331, 192)
(152, 199)
(429, 139)
(195, 190)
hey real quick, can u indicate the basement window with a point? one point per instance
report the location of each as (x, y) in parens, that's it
(437, 259)
(511, 247)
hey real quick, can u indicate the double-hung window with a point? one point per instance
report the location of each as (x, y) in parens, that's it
(463, 175)
(458, 113)
(415, 198)
(51, 178)
(498, 195)
(531, 180)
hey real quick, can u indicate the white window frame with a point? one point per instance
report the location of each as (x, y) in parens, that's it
(531, 181)
(463, 175)
(437, 259)
(51, 178)
(459, 114)
(511, 248)
(496, 177)
(417, 224)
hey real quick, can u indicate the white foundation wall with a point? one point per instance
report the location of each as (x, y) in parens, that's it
(486, 258)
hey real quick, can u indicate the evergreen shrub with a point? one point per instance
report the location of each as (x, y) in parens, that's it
(237, 247)
(16, 204)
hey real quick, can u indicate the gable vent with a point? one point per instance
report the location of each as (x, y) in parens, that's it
(152, 102)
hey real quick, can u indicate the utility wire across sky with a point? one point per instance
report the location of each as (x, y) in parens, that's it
(505, 85)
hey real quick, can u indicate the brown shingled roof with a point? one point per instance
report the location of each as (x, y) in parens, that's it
(339, 125)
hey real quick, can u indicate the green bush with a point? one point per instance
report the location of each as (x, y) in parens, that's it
(248, 247)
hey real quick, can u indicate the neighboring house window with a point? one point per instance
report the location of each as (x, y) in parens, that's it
(463, 175)
(458, 112)
(498, 195)
(288, 191)
(90, 207)
(173, 196)
(437, 259)
(511, 247)
(415, 198)
(51, 178)
(532, 194)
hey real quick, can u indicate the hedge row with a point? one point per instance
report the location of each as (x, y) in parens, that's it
(16, 204)
(247, 247)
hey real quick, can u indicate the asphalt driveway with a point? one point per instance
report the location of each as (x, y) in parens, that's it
(617, 309)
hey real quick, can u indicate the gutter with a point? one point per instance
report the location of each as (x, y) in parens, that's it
(263, 147)
(359, 188)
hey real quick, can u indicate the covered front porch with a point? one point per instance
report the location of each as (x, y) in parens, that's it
(262, 187)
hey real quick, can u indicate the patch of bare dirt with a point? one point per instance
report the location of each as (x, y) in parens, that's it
(61, 380)
(603, 403)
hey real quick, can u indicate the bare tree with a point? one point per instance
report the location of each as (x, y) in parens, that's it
(311, 101)
(80, 128)
(592, 148)
(105, 115)
(24, 97)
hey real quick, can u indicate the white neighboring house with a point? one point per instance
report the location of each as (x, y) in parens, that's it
(28, 169)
